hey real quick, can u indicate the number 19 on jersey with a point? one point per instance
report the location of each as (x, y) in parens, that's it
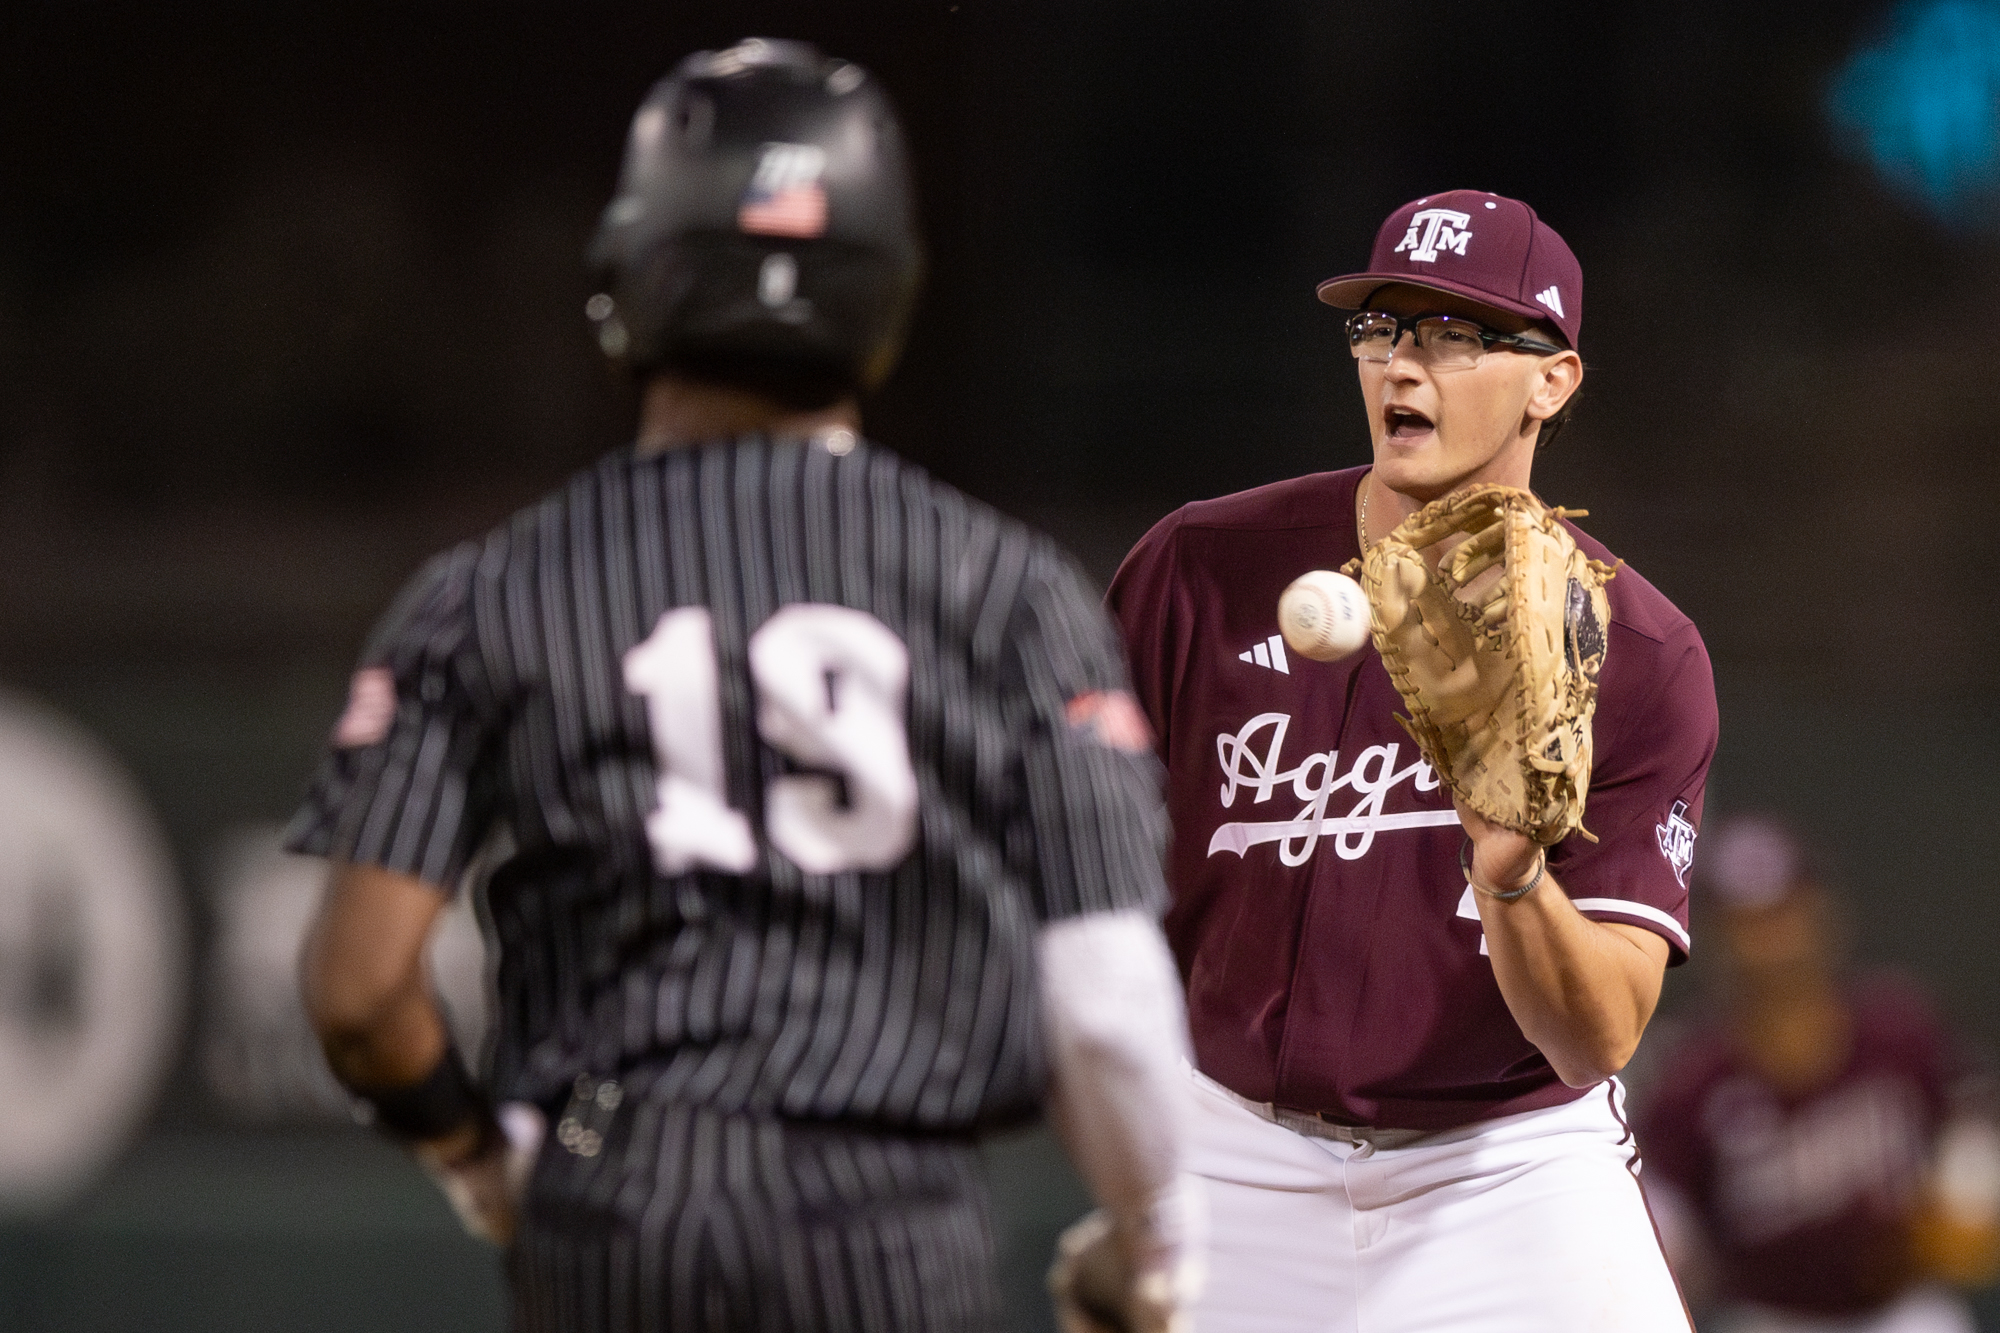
(831, 684)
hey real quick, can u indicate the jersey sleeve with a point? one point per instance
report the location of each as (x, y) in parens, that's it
(1093, 827)
(405, 783)
(1655, 738)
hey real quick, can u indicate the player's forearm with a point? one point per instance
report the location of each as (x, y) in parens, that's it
(1583, 991)
(1116, 1036)
(398, 1043)
(363, 980)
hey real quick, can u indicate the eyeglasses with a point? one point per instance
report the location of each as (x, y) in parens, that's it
(1447, 342)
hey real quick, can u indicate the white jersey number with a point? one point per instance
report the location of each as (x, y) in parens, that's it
(674, 672)
(831, 683)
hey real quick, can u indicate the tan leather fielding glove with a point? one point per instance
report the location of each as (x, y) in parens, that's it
(1494, 626)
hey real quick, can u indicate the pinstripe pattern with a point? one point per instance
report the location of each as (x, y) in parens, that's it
(801, 1054)
(901, 998)
(690, 1219)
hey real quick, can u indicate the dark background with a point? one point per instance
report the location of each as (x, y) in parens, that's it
(292, 295)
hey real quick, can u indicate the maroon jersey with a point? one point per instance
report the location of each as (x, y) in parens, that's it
(1331, 947)
(1804, 1198)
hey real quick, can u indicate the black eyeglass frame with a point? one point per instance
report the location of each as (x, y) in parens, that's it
(1488, 340)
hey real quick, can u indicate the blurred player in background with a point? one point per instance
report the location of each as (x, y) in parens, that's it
(1820, 1157)
(827, 833)
(1407, 1118)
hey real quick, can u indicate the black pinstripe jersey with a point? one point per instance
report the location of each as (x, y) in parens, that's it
(787, 752)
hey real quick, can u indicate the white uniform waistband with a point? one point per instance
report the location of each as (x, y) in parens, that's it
(1313, 1126)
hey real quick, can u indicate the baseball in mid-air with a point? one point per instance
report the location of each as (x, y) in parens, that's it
(1323, 615)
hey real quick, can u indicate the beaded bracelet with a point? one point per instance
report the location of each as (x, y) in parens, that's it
(1465, 864)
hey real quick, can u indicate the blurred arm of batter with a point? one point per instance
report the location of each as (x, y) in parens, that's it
(363, 977)
(1582, 990)
(1119, 1098)
(368, 995)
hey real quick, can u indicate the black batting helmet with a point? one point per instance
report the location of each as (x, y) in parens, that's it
(764, 226)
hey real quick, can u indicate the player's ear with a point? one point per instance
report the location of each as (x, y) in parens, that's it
(1557, 379)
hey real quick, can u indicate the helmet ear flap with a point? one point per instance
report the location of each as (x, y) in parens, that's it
(763, 227)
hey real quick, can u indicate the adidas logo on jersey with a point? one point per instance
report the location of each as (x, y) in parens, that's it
(1552, 299)
(1270, 653)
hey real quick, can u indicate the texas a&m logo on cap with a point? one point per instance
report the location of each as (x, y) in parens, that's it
(1432, 230)
(1520, 264)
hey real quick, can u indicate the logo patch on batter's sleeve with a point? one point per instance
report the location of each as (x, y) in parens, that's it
(1677, 841)
(371, 707)
(1112, 718)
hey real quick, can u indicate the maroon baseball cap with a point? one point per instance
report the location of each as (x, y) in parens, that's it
(1481, 246)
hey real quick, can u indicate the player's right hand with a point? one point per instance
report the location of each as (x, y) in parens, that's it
(1097, 1289)
(485, 1180)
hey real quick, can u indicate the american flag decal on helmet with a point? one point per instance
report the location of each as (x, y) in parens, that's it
(785, 197)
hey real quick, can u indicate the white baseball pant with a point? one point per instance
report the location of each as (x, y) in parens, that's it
(1529, 1223)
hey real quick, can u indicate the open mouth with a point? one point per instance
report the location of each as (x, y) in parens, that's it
(1406, 423)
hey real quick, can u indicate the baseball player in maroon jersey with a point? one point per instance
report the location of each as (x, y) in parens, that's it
(1820, 1156)
(1409, 1115)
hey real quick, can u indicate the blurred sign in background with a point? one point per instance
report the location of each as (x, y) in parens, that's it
(92, 960)
(291, 296)
(260, 1062)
